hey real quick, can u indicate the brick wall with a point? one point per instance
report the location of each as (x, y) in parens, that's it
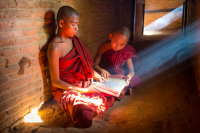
(193, 20)
(157, 9)
(26, 26)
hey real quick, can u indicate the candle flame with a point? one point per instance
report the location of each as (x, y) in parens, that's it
(33, 116)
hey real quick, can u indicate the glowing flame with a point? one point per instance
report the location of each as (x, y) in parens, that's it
(33, 117)
(93, 101)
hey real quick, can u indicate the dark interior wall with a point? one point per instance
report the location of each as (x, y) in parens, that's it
(193, 29)
(139, 15)
(99, 17)
(26, 27)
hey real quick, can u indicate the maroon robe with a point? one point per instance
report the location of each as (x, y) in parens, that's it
(115, 63)
(76, 68)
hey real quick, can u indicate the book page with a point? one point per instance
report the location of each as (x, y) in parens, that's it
(113, 85)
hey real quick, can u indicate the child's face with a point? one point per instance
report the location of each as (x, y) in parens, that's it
(118, 41)
(70, 25)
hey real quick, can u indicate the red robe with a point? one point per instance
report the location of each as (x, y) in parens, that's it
(115, 63)
(76, 68)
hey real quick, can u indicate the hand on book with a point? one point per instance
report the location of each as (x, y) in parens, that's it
(92, 89)
(89, 89)
(98, 77)
(122, 93)
(105, 74)
(128, 79)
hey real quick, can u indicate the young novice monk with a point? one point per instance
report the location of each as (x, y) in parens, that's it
(71, 70)
(118, 57)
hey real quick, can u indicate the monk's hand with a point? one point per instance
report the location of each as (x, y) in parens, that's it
(122, 93)
(91, 89)
(105, 74)
(128, 79)
(98, 77)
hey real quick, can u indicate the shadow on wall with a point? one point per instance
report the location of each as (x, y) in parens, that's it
(50, 31)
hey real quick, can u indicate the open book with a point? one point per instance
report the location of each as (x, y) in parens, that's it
(113, 86)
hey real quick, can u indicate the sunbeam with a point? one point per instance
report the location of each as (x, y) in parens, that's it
(168, 52)
(163, 21)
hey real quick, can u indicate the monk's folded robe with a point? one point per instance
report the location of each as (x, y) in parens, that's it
(115, 63)
(76, 68)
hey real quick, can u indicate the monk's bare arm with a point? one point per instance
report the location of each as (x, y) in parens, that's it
(97, 60)
(130, 67)
(102, 49)
(53, 55)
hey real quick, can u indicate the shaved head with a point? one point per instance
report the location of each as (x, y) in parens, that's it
(122, 30)
(66, 11)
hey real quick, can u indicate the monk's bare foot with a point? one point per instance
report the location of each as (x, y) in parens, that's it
(129, 91)
(117, 98)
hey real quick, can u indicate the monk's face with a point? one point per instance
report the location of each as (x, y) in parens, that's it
(69, 25)
(118, 41)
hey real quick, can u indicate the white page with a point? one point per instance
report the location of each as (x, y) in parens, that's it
(114, 84)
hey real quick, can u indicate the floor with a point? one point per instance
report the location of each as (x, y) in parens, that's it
(166, 102)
